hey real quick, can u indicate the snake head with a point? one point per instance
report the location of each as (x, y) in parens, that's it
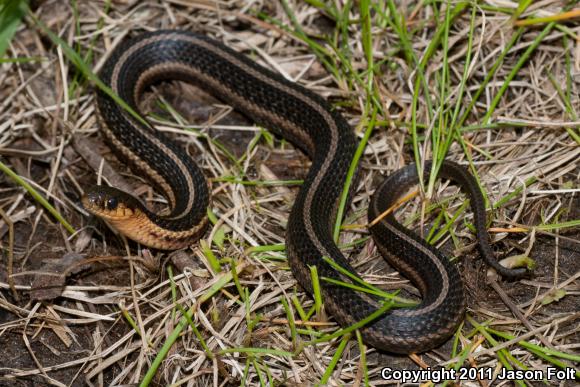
(110, 203)
(130, 217)
(121, 211)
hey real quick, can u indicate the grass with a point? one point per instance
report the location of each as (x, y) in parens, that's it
(37, 196)
(485, 85)
(11, 14)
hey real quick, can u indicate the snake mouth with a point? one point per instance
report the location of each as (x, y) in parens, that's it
(109, 203)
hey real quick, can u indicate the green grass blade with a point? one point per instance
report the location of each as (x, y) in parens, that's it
(351, 173)
(11, 14)
(523, 58)
(335, 359)
(38, 197)
(358, 325)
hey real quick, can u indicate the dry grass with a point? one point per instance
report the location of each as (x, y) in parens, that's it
(120, 304)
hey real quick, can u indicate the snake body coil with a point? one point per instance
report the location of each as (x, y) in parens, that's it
(309, 122)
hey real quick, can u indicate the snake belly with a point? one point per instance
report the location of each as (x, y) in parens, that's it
(308, 121)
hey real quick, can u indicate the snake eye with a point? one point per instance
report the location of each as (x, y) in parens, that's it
(112, 203)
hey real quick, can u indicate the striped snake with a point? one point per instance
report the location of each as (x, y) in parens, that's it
(323, 134)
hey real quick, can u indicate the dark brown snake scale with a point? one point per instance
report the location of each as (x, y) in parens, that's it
(308, 121)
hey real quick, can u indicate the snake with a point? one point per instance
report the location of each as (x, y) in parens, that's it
(322, 133)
